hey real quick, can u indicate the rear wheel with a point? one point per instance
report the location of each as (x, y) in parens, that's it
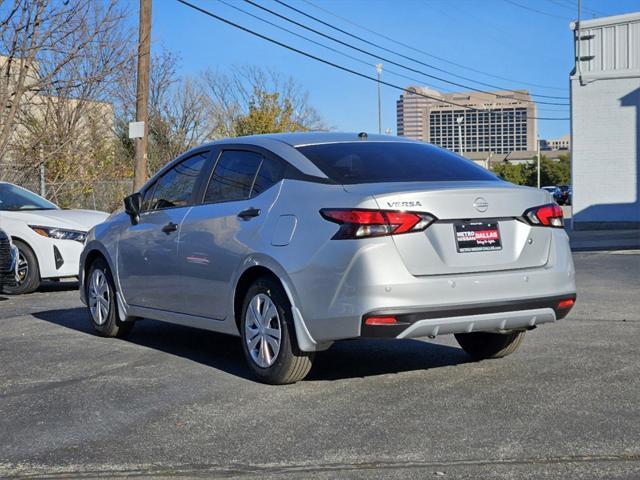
(28, 279)
(268, 336)
(101, 302)
(483, 345)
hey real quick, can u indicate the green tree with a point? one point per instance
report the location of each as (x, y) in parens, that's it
(552, 172)
(268, 113)
(510, 172)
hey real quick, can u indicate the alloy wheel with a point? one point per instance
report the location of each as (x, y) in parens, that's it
(263, 330)
(99, 297)
(23, 268)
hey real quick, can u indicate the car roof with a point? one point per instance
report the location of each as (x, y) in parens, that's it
(283, 144)
(298, 139)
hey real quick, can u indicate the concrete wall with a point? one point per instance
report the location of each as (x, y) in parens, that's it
(605, 152)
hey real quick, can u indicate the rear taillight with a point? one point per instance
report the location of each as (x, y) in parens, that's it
(361, 223)
(549, 215)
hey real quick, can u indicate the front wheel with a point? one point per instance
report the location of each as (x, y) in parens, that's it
(28, 278)
(268, 336)
(484, 345)
(101, 301)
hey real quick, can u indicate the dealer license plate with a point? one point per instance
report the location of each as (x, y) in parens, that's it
(477, 236)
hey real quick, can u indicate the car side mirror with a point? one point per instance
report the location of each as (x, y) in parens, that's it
(133, 207)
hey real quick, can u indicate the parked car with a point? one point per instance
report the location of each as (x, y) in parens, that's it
(8, 261)
(555, 192)
(565, 195)
(49, 239)
(294, 241)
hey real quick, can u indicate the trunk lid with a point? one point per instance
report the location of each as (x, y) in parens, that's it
(435, 251)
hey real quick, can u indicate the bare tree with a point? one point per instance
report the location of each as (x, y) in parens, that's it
(233, 95)
(60, 58)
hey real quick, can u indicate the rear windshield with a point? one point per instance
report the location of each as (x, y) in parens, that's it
(380, 162)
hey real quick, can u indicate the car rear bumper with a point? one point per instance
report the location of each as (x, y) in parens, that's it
(333, 302)
(496, 316)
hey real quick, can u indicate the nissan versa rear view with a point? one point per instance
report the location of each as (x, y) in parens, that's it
(294, 241)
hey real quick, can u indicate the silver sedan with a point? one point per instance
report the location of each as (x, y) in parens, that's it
(294, 241)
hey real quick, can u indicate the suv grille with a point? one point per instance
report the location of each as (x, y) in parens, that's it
(6, 275)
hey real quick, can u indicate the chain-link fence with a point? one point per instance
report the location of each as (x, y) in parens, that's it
(102, 195)
(105, 195)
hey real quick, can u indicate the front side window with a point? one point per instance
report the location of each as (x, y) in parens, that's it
(175, 187)
(233, 176)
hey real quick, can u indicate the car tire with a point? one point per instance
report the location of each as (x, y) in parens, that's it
(265, 315)
(28, 271)
(101, 302)
(484, 345)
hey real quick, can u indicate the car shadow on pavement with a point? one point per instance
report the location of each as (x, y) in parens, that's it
(61, 286)
(345, 359)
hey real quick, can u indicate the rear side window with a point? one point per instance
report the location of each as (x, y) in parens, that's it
(233, 176)
(271, 172)
(383, 162)
(175, 187)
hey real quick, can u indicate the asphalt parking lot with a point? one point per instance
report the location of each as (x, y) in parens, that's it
(171, 401)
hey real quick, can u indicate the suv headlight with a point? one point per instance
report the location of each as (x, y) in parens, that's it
(60, 233)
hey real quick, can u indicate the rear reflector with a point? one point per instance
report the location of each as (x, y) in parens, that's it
(549, 215)
(363, 223)
(566, 303)
(380, 321)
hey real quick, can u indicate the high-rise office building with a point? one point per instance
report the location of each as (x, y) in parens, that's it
(497, 122)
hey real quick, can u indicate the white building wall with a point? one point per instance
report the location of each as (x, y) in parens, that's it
(606, 131)
(605, 123)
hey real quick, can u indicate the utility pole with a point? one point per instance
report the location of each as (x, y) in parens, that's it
(538, 154)
(578, 42)
(142, 94)
(379, 70)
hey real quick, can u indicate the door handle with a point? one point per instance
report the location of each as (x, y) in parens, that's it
(170, 228)
(249, 213)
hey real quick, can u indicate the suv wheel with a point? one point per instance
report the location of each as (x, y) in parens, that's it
(28, 279)
(483, 345)
(268, 336)
(101, 302)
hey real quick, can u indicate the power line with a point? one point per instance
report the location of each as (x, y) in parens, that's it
(574, 6)
(304, 37)
(353, 47)
(442, 59)
(563, 5)
(339, 52)
(340, 67)
(402, 55)
(541, 12)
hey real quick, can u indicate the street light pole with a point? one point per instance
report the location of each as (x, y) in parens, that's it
(142, 94)
(459, 121)
(379, 70)
(43, 178)
(538, 154)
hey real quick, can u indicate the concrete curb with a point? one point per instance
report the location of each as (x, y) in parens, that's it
(602, 240)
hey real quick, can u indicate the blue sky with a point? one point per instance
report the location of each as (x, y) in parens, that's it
(524, 40)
